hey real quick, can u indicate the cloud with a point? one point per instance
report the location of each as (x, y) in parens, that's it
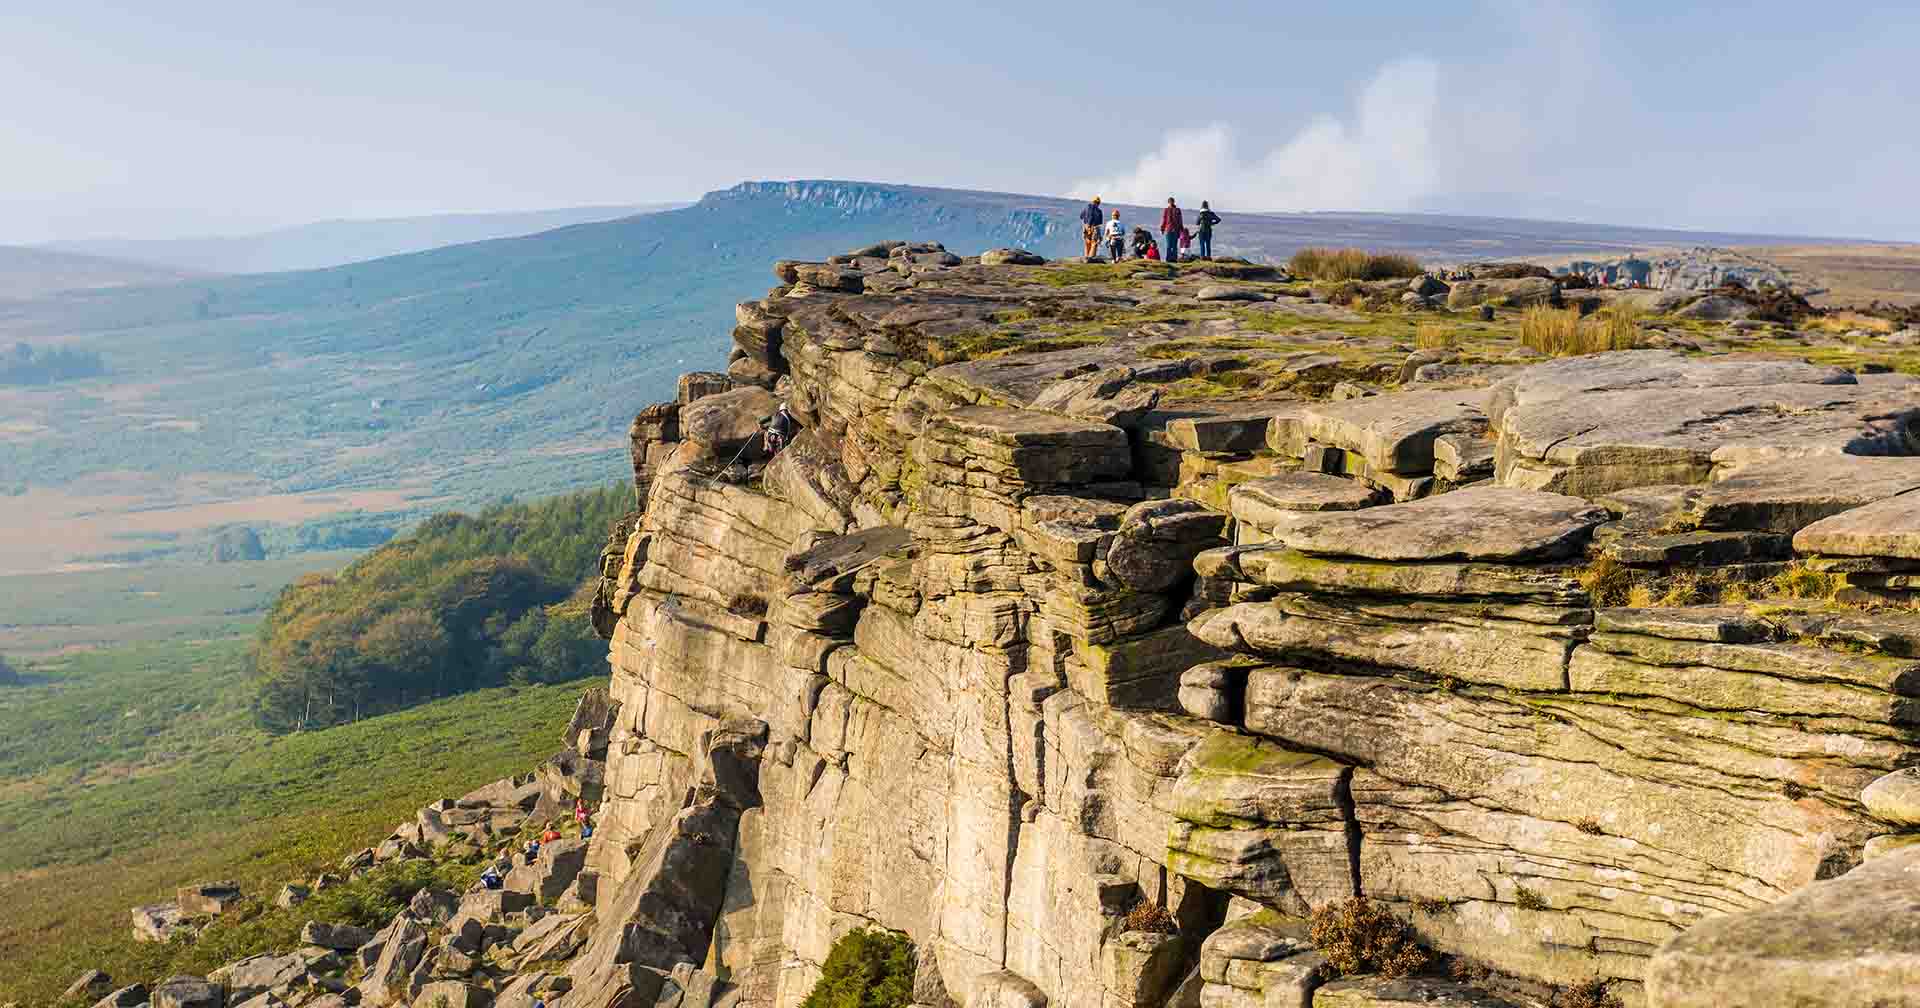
(1383, 157)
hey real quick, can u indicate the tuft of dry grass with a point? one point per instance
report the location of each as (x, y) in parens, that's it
(1149, 916)
(1527, 899)
(1802, 582)
(1608, 581)
(1846, 321)
(1351, 264)
(1468, 971)
(1561, 332)
(1434, 336)
(1360, 936)
(1590, 826)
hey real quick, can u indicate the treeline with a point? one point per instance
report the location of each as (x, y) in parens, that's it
(461, 603)
(24, 365)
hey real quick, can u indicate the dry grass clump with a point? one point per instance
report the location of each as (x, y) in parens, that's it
(1846, 321)
(1434, 336)
(1609, 582)
(1360, 936)
(1527, 899)
(1561, 332)
(1587, 994)
(752, 606)
(1802, 582)
(1468, 971)
(1351, 264)
(1590, 826)
(1149, 916)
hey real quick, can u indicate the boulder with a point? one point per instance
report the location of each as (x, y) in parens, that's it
(1522, 292)
(452, 994)
(696, 385)
(1895, 797)
(157, 922)
(1887, 528)
(131, 996)
(829, 277)
(291, 896)
(1716, 308)
(89, 986)
(723, 422)
(1228, 292)
(1005, 989)
(1154, 547)
(552, 938)
(1395, 433)
(339, 937)
(207, 899)
(1477, 523)
(1847, 942)
(1261, 501)
(1109, 395)
(435, 905)
(551, 873)
(402, 943)
(1010, 257)
(1427, 285)
(187, 992)
(1788, 494)
(259, 974)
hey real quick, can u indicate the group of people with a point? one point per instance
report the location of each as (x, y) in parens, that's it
(491, 877)
(1098, 228)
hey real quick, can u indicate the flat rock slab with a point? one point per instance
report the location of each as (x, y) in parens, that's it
(1395, 433)
(1849, 942)
(1598, 442)
(1786, 495)
(843, 554)
(1479, 523)
(1259, 502)
(1641, 370)
(1378, 992)
(1888, 528)
(1228, 292)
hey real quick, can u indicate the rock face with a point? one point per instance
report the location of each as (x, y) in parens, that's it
(1022, 643)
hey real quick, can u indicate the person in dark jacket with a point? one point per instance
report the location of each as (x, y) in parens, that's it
(1204, 223)
(779, 430)
(1142, 241)
(1090, 219)
(1171, 225)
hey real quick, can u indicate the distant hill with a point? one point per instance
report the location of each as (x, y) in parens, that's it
(34, 272)
(513, 366)
(338, 242)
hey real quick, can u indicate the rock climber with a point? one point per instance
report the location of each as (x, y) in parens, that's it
(1091, 218)
(778, 430)
(1204, 223)
(1171, 224)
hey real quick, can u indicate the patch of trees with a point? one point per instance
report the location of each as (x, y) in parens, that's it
(462, 602)
(24, 365)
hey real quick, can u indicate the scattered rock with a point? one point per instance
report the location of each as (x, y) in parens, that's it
(1010, 257)
(1895, 797)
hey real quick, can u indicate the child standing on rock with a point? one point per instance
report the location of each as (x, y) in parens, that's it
(1116, 239)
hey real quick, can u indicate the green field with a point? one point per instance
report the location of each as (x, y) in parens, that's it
(45, 613)
(79, 850)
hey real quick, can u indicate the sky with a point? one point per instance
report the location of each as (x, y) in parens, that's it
(196, 117)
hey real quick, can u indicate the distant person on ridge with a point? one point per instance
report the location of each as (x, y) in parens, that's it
(1170, 226)
(1091, 218)
(1205, 223)
(1116, 239)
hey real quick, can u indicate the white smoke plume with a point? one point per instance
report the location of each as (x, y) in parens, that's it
(1381, 158)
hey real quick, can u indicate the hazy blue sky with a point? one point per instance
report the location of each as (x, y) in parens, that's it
(208, 116)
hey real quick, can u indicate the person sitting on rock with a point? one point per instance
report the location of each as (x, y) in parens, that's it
(1116, 239)
(586, 830)
(550, 835)
(532, 850)
(490, 878)
(778, 430)
(1153, 250)
(1142, 241)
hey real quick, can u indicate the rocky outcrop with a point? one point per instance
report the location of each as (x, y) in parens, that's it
(1102, 688)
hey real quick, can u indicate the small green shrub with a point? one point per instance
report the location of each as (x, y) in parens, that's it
(1360, 936)
(1527, 899)
(867, 968)
(1802, 582)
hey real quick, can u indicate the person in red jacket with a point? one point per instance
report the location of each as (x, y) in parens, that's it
(1170, 226)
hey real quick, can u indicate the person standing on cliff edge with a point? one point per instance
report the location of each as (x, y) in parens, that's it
(1171, 225)
(1203, 224)
(1090, 220)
